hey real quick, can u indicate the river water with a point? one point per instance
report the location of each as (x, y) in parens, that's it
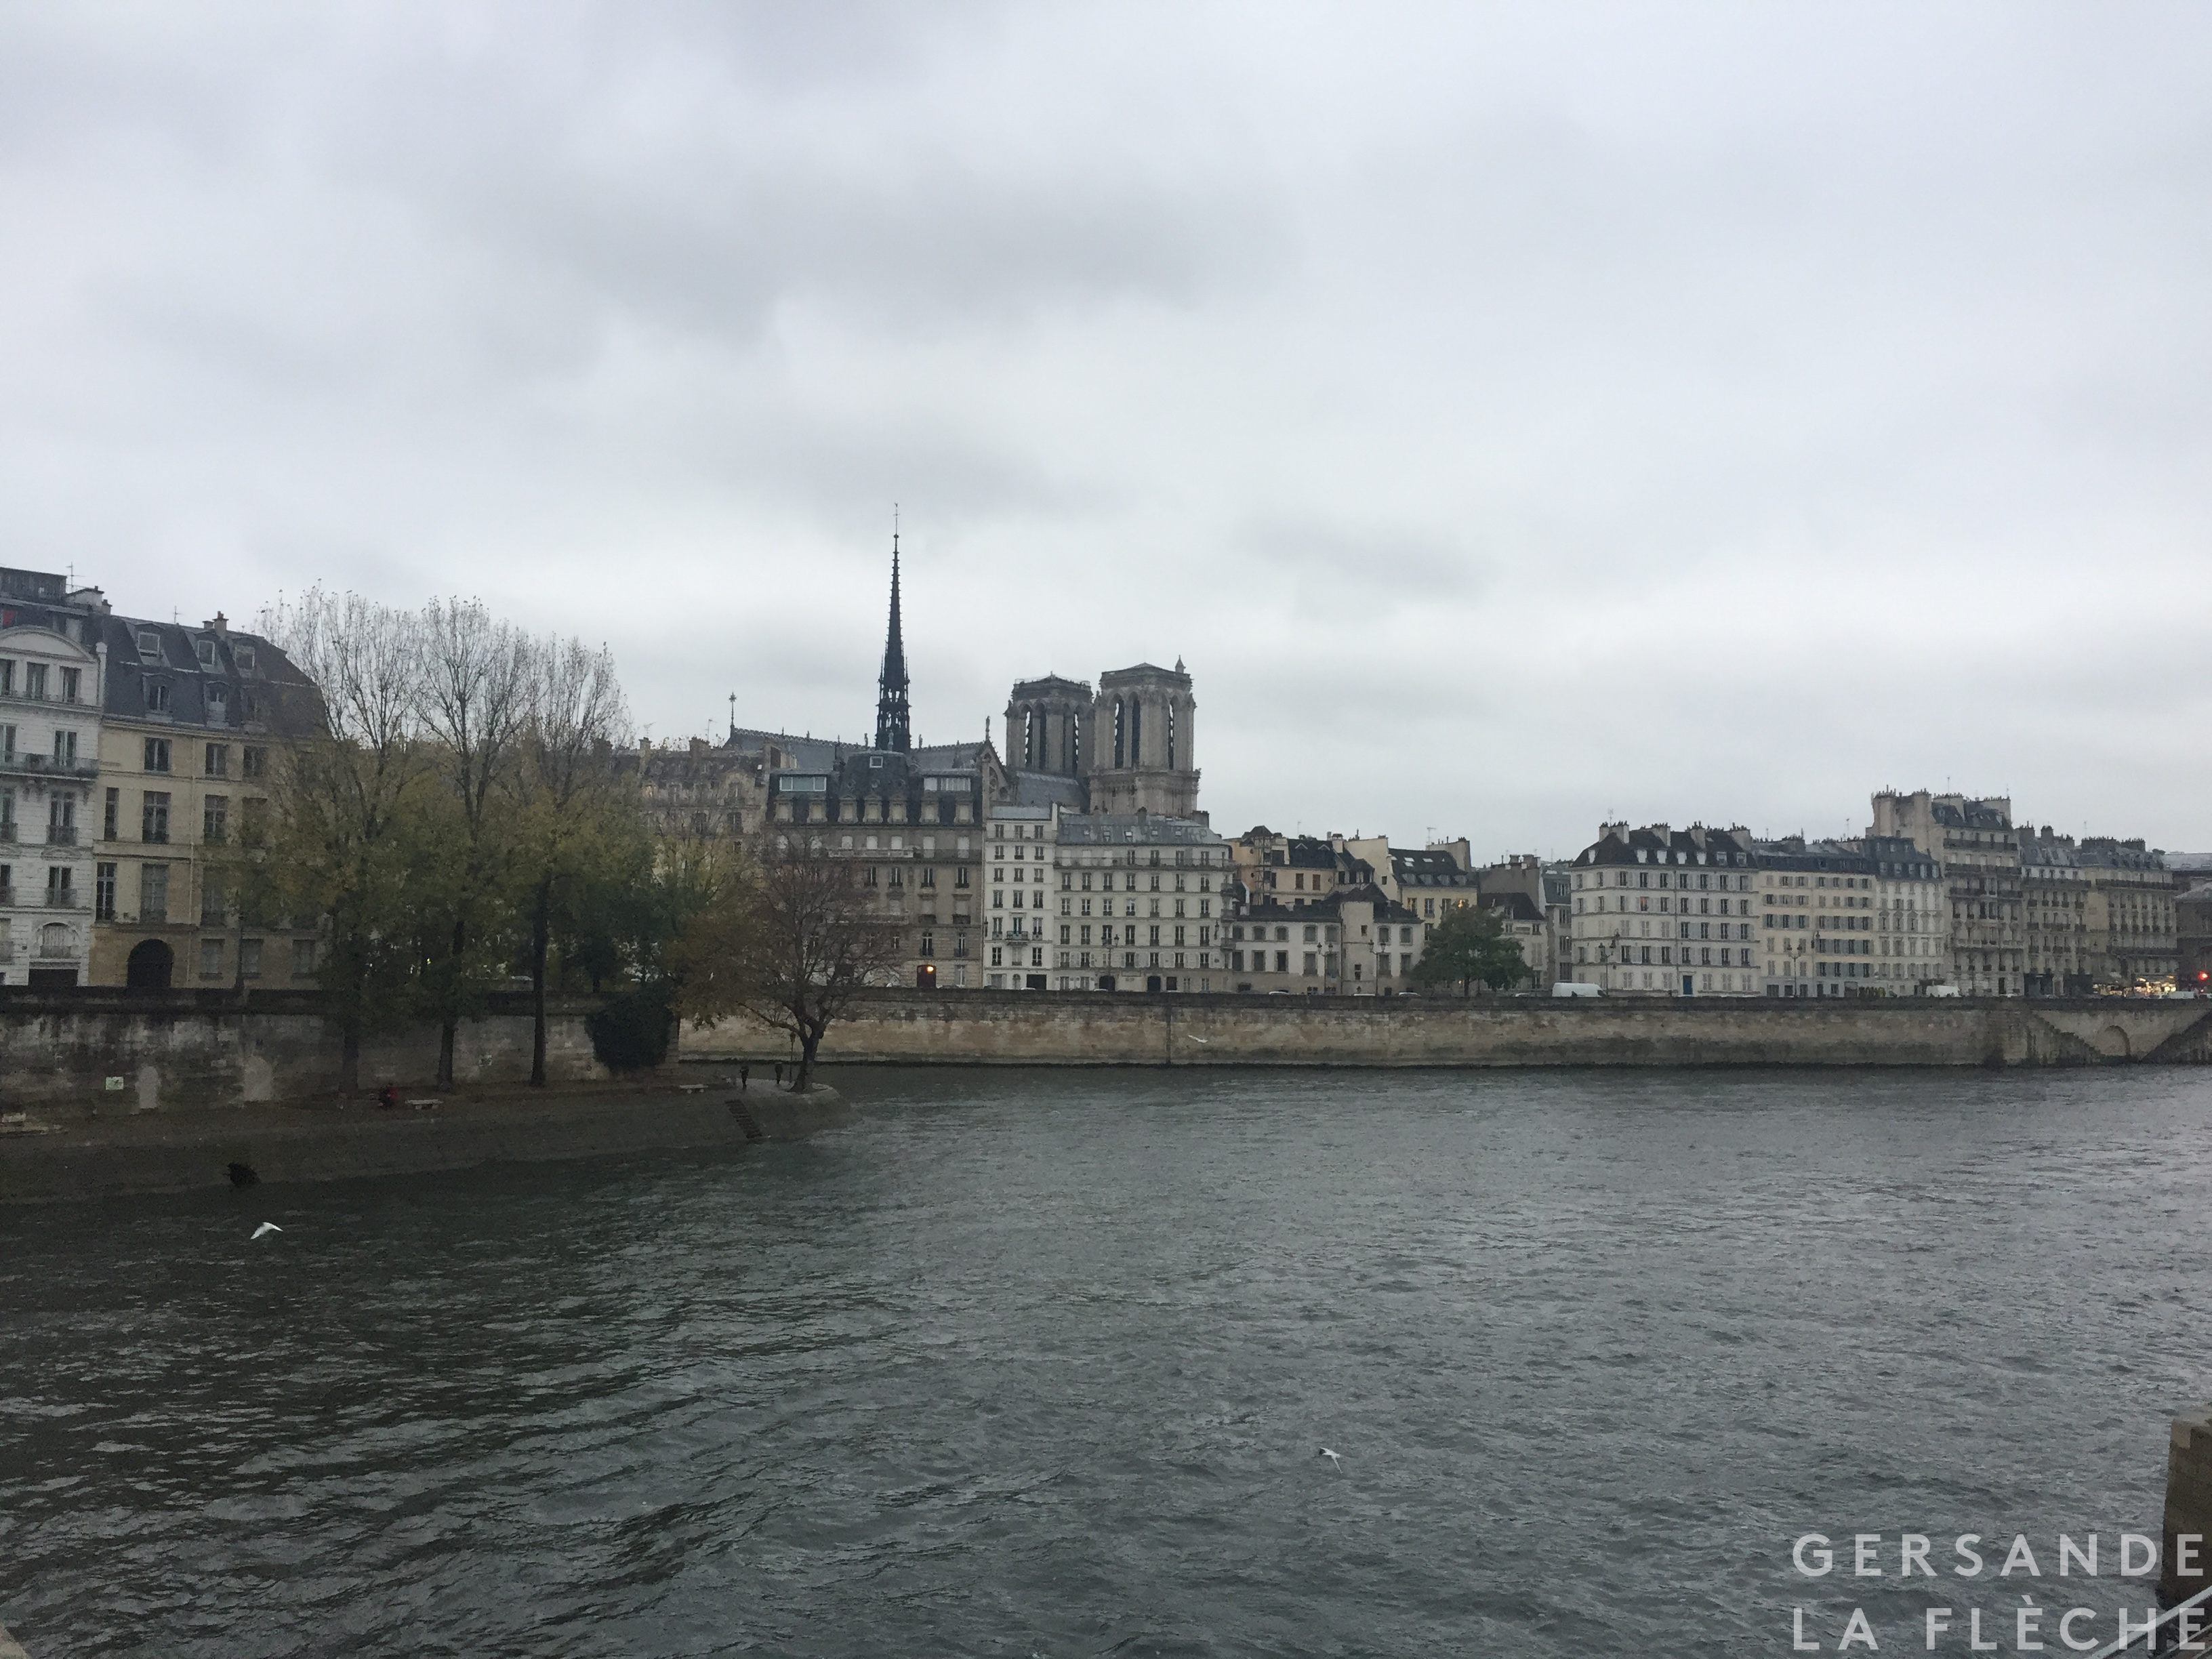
(1029, 1363)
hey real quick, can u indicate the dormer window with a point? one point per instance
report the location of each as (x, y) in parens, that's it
(149, 644)
(243, 656)
(157, 697)
(206, 649)
(218, 703)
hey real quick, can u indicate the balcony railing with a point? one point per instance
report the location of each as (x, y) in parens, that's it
(7, 830)
(65, 898)
(47, 766)
(61, 835)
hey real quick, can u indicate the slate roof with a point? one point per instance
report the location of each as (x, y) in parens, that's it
(1515, 907)
(1795, 852)
(1427, 868)
(1660, 844)
(1325, 910)
(1046, 789)
(1134, 829)
(259, 686)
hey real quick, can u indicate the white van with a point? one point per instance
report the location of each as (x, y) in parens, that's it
(1568, 987)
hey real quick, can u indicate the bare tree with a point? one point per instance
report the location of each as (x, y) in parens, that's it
(477, 684)
(794, 946)
(340, 788)
(571, 787)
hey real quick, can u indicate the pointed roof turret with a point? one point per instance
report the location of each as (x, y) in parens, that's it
(892, 729)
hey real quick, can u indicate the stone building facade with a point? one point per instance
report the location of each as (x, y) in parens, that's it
(194, 724)
(1666, 912)
(1817, 918)
(2130, 911)
(1294, 870)
(51, 672)
(1140, 903)
(1974, 842)
(1354, 942)
(1020, 844)
(1913, 917)
(2192, 920)
(2061, 960)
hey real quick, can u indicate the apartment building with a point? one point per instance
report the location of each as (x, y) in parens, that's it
(1912, 916)
(1355, 942)
(910, 820)
(1140, 906)
(193, 720)
(1974, 842)
(2132, 915)
(1294, 870)
(1816, 917)
(1665, 912)
(1020, 845)
(2062, 960)
(49, 696)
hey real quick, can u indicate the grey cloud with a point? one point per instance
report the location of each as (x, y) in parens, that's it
(1511, 417)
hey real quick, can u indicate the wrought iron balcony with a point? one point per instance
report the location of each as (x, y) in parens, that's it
(45, 766)
(61, 835)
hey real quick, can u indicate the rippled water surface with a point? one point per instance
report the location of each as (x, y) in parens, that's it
(1039, 1363)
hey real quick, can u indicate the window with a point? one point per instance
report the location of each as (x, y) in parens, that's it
(64, 749)
(206, 648)
(211, 958)
(249, 957)
(211, 910)
(72, 685)
(7, 677)
(157, 697)
(153, 816)
(103, 890)
(157, 755)
(59, 893)
(34, 679)
(243, 656)
(153, 894)
(303, 957)
(7, 742)
(254, 762)
(149, 644)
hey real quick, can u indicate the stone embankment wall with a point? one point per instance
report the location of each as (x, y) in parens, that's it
(192, 1048)
(1032, 1029)
(58, 1051)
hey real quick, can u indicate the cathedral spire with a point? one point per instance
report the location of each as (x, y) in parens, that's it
(892, 731)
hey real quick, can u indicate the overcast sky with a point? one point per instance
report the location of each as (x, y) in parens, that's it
(1514, 417)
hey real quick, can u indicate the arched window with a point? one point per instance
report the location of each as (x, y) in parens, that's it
(1120, 731)
(1171, 735)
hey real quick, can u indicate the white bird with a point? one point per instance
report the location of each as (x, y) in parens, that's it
(266, 1228)
(1332, 1457)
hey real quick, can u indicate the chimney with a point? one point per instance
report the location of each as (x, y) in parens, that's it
(219, 625)
(698, 747)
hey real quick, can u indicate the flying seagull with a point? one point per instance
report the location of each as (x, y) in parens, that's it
(266, 1228)
(1332, 1457)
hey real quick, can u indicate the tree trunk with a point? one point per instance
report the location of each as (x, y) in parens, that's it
(447, 1028)
(541, 928)
(804, 1080)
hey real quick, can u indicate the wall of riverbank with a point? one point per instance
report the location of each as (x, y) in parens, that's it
(132, 1052)
(102, 1050)
(1033, 1029)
